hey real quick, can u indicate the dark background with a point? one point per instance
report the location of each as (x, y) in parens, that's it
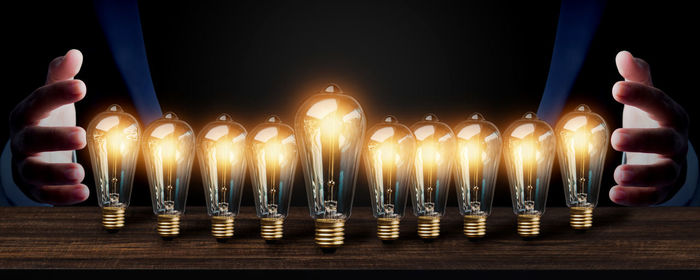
(405, 58)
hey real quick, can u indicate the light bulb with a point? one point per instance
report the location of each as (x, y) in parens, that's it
(529, 149)
(330, 127)
(221, 153)
(113, 141)
(168, 148)
(478, 156)
(433, 159)
(272, 158)
(388, 157)
(583, 142)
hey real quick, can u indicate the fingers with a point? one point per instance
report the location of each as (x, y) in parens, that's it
(632, 68)
(663, 140)
(65, 67)
(636, 196)
(660, 174)
(36, 139)
(656, 103)
(42, 101)
(62, 195)
(40, 173)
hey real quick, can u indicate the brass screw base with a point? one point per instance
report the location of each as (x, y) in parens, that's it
(113, 218)
(528, 225)
(581, 218)
(330, 233)
(222, 227)
(388, 229)
(271, 229)
(474, 226)
(168, 226)
(428, 227)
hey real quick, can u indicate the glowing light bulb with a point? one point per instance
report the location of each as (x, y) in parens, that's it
(112, 138)
(272, 157)
(478, 155)
(221, 153)
(388, 158)
(330, 128)
(529, 154)
(433, 159)
(168, 149)
(583, 141)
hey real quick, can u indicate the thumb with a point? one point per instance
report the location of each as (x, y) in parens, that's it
(633, 69)
(65, 67)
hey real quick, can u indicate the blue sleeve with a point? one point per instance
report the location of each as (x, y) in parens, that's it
(10, 194)
(688, 195)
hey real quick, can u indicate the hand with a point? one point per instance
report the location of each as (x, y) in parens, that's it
(654, 134)
(43, 135)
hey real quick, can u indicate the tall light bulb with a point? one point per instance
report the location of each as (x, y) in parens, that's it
(330, 127)
(168, 148)
(113, 141)
(433, 160)
(478, 156)
(388, 158)
(221, 153)
(272, 159)
(529, 149)
(583, 142)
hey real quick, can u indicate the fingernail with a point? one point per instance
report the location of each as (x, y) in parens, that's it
(72, 174)
(619, 195)
(78, 136)
(626, 175)
(622, 138)
(82, 194)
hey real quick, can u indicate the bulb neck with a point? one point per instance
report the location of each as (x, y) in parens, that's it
(222, 227)
(581, 218)
(388, 229)
(271, 229)
(168, 226)
(474, 226)
(428, 227)
(113, 218)
(330, 233)
(528, 225)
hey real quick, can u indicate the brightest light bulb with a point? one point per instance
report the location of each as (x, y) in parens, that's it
(220, 149)
(479, 154)
(388, 158)
(529, 154)
(330, 128)
(112, 138)
(433, 161)
(168, 149)
(583, 141)
(272, 157)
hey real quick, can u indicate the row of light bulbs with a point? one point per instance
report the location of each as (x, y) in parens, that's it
(329, 136)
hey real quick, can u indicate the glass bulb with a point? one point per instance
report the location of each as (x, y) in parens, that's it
(168, 148)
(221, 153)
(388, 157)
(330, 127)
(478, 156)
(583, 142)
(272, 157)
(529, 153)
(433, 159)
(113, 141)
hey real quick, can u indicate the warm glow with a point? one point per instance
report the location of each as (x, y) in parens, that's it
(388, 154)
(116, 143)
(274, 153)
(472, 151)
(168, 150)
(429, 154)
(581, 140)
(527, 151)
(223, 151)
(330, 126)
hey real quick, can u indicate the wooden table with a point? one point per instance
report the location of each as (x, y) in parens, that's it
(621, 238)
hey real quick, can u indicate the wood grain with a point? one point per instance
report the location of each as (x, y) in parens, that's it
(621, 238)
